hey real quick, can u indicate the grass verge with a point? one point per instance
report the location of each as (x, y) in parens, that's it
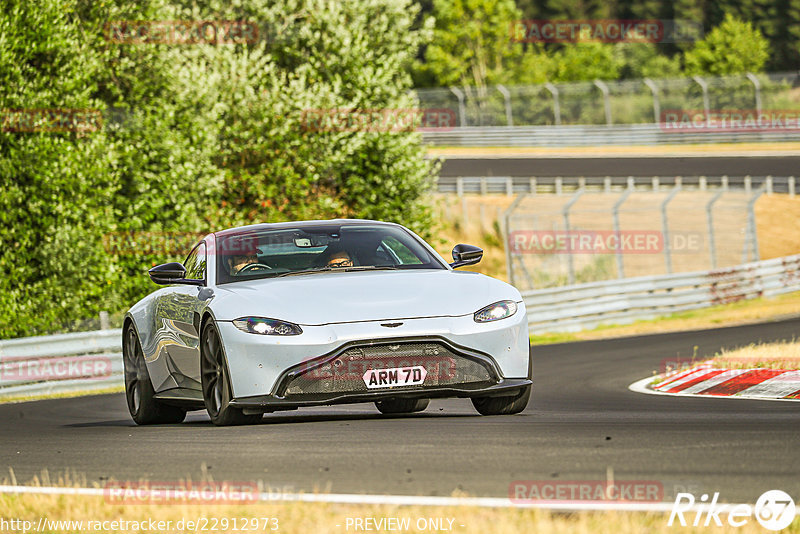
(7, 399)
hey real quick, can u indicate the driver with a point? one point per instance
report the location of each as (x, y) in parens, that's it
(340, 259)
(239, 261)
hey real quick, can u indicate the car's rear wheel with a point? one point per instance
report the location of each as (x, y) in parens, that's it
(145, 409)
(216, 383)
(503, 405)
(391, 406)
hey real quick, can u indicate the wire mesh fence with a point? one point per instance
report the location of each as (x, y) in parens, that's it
(642, 101)
(593, 236)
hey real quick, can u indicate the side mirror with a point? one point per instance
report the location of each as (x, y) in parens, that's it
(171, 273)
(466, 255)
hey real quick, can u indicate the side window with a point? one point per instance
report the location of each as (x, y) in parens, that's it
(196, 263)
(402, 252)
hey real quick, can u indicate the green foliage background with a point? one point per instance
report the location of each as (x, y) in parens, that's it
(196, 138)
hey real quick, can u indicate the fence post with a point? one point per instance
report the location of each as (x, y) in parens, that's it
(791, 186)
(656, 184)
(484, 186)
(507, 99)
(725, 183)
(559, 185)
(509, 186)
(757, 86)
(607, 184)
(532, 185)
(617, 230)
(665, 227)
(462, 110)
(556, 105)
(748, 184)
(751, 234)
(656, 104)
(710, 223)
(506, 245)
(565, 214)
(606, 100)
(105, 324)
(703, 183)
(704, 86)
(460, 186)
(768, 184)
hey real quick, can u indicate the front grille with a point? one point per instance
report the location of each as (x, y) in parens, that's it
(345, 372)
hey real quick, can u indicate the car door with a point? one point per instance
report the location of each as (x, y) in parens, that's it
(178, 312)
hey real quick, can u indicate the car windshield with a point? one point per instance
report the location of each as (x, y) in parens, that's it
(252, 254)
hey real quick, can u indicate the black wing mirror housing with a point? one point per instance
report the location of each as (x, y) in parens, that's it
(171, 273)
(466, 255)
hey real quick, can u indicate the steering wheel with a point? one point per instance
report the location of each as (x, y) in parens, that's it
(252, 267)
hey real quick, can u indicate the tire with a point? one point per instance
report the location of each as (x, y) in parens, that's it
(144, 408)
(216, 383)
(503, 405)
(392, 406)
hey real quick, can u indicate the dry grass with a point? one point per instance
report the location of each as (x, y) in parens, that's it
(10, 399)
(733, 149)
(781, 355)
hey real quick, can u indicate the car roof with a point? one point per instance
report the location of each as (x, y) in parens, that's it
(298, 224)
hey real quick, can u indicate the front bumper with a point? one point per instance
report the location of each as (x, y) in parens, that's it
(261, 367)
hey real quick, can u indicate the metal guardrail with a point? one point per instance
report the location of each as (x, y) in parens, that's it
(587, 135)
(583, 306)
(511, 185)
(61, 363)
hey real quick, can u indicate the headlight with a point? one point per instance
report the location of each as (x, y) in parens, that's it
(496, 311)
(267, 327)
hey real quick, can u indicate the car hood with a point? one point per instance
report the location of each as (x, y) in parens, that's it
(325, 298)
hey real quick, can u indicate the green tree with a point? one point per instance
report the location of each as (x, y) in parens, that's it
(473, 45)
(733, 47)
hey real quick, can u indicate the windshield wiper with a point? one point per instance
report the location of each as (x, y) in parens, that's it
(305, 271)
(371, 268)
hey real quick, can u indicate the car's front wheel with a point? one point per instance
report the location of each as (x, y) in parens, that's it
(145, 409)
(216, 383)
(503, 405)
(391, 406)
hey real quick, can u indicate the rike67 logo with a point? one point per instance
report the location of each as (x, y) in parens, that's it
(774, 510)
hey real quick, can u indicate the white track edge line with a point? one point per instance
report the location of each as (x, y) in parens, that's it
(402, 500)
(640, 386)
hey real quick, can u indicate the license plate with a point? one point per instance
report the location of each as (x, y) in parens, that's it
(396, 376)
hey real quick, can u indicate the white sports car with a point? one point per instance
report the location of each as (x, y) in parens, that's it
(280, 316)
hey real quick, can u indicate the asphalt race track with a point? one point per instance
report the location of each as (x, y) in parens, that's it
(582, 420)
(623, 166)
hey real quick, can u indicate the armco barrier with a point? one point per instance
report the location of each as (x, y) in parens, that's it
(48, 364)
(584, 135)
(578, 307)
